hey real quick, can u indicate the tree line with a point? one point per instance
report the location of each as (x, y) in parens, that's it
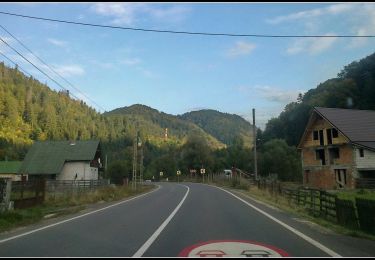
(30, 111)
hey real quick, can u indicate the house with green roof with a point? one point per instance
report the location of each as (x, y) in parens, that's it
(9, 170)
(63, 160)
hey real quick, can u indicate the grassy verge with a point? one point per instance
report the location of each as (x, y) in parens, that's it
(352, 194)
(66, 204)
(283, 204)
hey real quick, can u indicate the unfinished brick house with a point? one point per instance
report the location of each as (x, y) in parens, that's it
(338, 149)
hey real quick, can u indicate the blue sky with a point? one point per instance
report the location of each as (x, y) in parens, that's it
(179, 73)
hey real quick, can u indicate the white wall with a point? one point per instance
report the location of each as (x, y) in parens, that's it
(82, 169)
(368, 161)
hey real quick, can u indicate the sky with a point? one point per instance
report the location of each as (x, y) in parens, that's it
(176, 73)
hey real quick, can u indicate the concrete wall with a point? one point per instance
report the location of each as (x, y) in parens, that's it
(12, 176)
(82, 169)
(366, 162)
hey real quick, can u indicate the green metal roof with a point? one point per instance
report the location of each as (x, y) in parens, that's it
(48, 157)
(9, 167)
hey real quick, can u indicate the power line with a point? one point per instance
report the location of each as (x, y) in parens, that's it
(52, 68)
(187, 32)
(35, 66)
(9, 59)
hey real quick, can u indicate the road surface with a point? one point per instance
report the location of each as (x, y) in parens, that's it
(185, 219)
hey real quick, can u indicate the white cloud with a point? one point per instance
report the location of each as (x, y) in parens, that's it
(131, 61)
(366, 26)
(130, 13)
(311, 45)
(69, 70)
(240, 49)
(350, 18)
(3, 47)
(330, 10)
(57, 42)
(148, 73)
(174, 13)
(269, 93)
(262, 114)
(275, 97)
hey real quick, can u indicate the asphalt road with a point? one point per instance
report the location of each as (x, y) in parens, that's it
(175, 220)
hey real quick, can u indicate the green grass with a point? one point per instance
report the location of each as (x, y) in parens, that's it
(352, 194)
(67, 204)
(299, 211)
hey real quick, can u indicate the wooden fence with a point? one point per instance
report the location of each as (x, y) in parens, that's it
(27, 193)
(364, 183)
(320, 203)
(61, 186)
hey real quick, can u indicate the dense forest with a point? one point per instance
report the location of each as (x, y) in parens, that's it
(354, 87)
(225, 127)
(30, 110)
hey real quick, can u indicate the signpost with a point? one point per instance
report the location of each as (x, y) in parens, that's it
(161, 175)
(203, 171)
(178, 175)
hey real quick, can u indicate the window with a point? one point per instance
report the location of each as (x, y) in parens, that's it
(361, 153)
(334, 153)
(340, 175)
(329, 136)
(320, 155)
(335, 133)
(316, 135)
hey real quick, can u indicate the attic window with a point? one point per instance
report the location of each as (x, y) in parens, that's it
(335, 133)
(361, 153)
(315, 135)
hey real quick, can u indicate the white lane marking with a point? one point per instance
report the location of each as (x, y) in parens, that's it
(295, 231)
(80, 216)
(154, 236)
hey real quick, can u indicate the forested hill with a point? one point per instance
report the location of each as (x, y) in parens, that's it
(223, 126)
(354, 87)
(153, 123)
(30, 110)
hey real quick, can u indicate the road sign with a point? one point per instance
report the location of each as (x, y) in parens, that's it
(178, 172)
(193, 171)
(203, 171)
(161, 174)
(232, 248)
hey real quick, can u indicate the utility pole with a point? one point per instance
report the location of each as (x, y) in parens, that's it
(141, 159)
(255, 146)
(134, 179)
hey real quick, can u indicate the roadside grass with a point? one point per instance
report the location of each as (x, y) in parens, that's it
(282, 203)
(63, 204)
(352, 194)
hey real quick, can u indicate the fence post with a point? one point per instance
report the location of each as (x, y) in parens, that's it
(5, 200)
(320, 203)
